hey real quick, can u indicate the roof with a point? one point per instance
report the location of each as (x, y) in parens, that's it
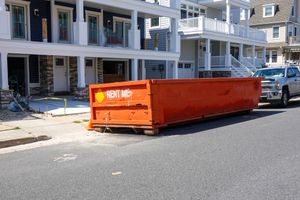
(282, 15)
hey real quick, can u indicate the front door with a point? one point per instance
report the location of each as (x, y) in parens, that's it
(185, 70)
(90, 72)
(60, 75)
(17, 75)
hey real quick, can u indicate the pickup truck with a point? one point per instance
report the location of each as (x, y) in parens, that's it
(279, 84)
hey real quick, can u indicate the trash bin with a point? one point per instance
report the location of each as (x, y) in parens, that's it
(153, 104)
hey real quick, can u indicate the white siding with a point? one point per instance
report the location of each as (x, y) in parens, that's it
(188, 48)
(269, 31)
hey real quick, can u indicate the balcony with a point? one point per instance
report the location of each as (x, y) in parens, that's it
(220, 29)
(294, 40)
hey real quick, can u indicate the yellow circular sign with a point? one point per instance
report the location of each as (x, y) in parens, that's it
(99, 96)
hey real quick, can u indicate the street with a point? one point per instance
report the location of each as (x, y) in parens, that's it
(239, 157)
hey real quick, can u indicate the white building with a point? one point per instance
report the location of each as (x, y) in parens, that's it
(214, 43)
(62, 46)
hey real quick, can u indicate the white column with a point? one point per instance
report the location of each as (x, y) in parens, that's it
(228, 21)
(81, 72)
(80, 10)
(247, 16)
(228, 9)
(207, 59)
(241, 52)
(4, 71)
(175, 69)
(134, 32)
(80, 26)
(134, 69)
(143, 70)
(228, 55)
(264, 55)
(175, 38)
(4, 22)
(53, 27)
(253, 55)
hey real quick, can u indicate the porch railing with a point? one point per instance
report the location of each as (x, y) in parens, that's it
(202, 23)
(218, 62)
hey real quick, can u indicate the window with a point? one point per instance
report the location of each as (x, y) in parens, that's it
(259, 54)
(155, 22)
(293, 11)
(121, 28)
(89, 63)
(7, 7)
(190, 11)
(290, 30)
(18, 14)
(295, 31)
(275, 32)
(93, 29)
(60, 62)
(296, 71)
(268, 57)
(187, 65)
(64, 26)
(274, 56)
(268, 11)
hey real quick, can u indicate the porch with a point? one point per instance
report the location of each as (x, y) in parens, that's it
(219, 58)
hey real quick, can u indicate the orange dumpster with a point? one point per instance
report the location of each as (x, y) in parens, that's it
(152, 104)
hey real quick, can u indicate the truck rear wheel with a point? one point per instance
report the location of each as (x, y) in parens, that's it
(284, 99)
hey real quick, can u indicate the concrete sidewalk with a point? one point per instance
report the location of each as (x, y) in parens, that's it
(55, 106)
(30, 127)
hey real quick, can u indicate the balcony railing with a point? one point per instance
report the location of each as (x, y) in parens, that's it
(203, 24)
(294, 40)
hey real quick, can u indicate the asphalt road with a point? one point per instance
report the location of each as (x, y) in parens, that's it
(254, 156)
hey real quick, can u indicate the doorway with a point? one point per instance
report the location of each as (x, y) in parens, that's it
(17, 74)
(60, 75)
(90, 71)
(114, 71)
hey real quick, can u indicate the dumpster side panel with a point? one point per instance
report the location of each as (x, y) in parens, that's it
(126, 103)
(184, 100)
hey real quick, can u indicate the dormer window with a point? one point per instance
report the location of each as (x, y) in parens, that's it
(269, 10)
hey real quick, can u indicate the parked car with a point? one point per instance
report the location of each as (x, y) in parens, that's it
(279, 85)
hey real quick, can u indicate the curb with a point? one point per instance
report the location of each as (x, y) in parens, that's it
(21, 141)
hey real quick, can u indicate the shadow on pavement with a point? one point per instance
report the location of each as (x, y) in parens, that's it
(6, 116)
(194, 127)
(216, 123)
(293, 103)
